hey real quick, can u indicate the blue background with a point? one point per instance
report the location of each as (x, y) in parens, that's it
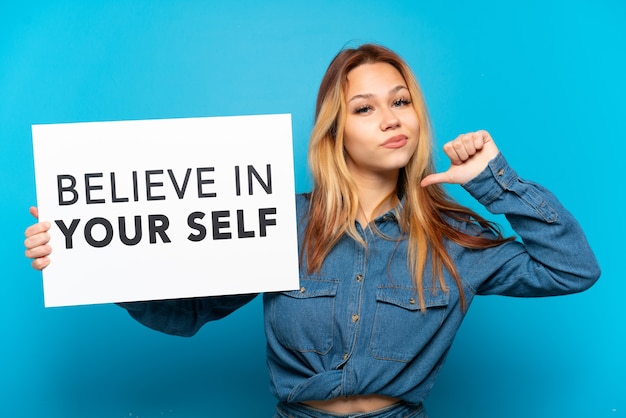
(546, 78)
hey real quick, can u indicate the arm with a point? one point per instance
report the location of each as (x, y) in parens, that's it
(554, 257)
(182, 317)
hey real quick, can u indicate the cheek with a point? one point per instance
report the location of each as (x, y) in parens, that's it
(349, 148)
(414, 123)
(414, 148)
(354, 149)
(352, 136)
(350, 131)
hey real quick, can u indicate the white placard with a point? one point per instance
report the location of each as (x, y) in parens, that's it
(169, 208)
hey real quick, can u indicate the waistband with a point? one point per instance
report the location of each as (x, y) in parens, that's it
(397, 410)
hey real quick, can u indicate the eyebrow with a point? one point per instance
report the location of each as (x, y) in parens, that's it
(370, 95)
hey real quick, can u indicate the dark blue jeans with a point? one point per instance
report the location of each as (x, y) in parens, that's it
(398, 410)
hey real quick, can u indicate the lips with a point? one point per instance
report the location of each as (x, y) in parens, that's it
(397, 141)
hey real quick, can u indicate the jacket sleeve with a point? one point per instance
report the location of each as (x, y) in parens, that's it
(184, 317)
(553, 257)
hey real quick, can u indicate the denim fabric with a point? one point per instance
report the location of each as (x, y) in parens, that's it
(399, 410)
(356, 326)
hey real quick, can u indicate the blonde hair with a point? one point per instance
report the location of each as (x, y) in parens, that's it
(333, 199)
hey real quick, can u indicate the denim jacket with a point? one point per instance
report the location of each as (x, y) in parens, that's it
(357, 327)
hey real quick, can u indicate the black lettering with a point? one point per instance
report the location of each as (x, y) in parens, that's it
(89, 187)
(89, 232)
(160, 228)
(237, 182)
(264, 222)
(242, 233)
(124, 237)
(135, 188)
(71, 189)
(191, 221)
(180, 191)
(202, 181)
(217, 224)
(150, 184)
(253, 173)
(67, 232)
(114, 197)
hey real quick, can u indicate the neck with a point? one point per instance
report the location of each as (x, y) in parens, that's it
(375, 196)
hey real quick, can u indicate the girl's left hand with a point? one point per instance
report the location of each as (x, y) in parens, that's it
(469, 155)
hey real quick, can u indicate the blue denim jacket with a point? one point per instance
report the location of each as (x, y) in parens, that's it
(356, 326)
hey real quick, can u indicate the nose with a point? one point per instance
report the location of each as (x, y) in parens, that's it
(389, 120)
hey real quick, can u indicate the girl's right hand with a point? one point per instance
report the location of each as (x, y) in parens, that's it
(36, 242)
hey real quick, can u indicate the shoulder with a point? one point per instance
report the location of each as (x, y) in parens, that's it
(302, 199)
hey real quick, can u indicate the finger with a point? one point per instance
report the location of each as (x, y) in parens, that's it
(478, 141)
(466, 145)
(37, 240)
(37, 228)
(474, 143)
(460, 146)
(40, 263)
(450, 151)
(38, 252)
(34, 211)
(435, 178)
(482, 137)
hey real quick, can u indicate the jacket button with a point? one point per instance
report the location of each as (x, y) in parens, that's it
(412, 301)
(302, 289)
(359, 278)
(355, 317)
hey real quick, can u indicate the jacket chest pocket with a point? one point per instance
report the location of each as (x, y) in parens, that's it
(302, 319)
(400, 329)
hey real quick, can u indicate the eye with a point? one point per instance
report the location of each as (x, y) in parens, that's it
(401, 102)
(363, 109)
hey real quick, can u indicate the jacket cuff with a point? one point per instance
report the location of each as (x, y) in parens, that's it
(497, 177)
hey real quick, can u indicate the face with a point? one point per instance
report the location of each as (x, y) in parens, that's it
(382, 129)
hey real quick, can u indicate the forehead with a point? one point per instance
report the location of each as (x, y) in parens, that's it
(367, 78)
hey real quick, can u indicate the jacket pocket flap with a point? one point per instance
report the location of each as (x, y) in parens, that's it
(407, 298)
(312, 288)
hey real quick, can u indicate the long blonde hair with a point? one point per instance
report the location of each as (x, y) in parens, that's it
(333, 199)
